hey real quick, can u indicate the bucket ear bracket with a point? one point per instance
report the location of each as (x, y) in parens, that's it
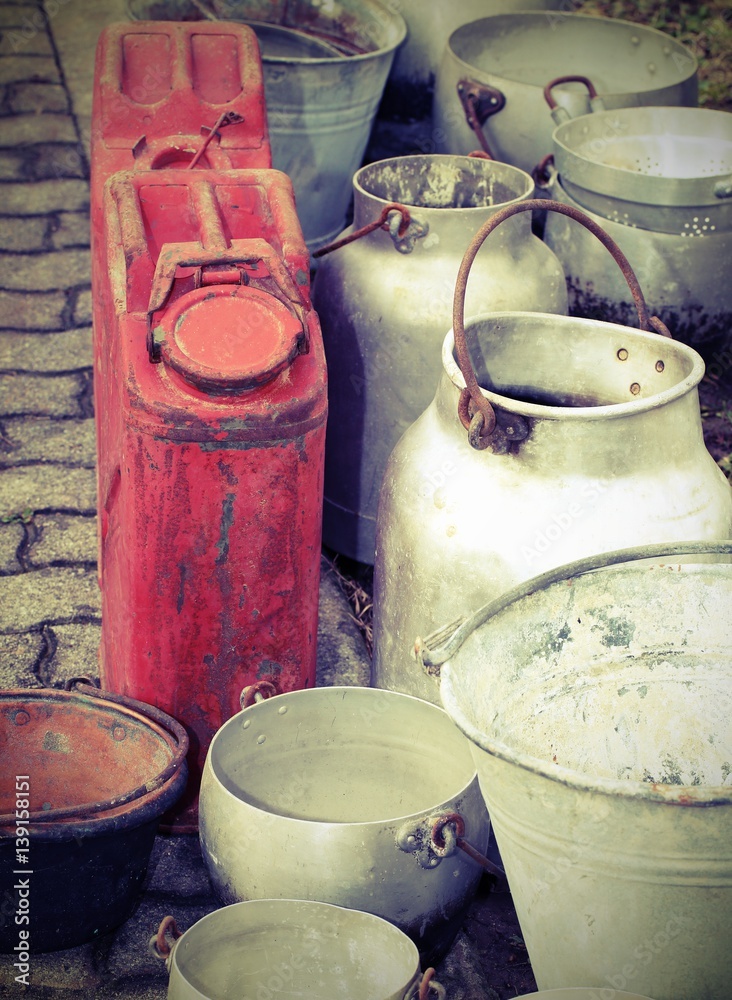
(480, 102)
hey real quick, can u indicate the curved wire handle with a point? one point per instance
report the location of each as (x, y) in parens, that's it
(482, 420)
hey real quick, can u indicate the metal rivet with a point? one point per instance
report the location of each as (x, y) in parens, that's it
(246, 724)
(21, 718)
(635, 388)
(282, 710)
(635, 40)
(261, 739)
(119, 733)
(622, 354)
(660, 366)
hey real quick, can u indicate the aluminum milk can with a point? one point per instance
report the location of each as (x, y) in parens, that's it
(596, 444)
(384, 302)
(212, 394)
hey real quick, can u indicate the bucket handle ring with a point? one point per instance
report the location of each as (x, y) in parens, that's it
(159, 944)
(475, 411)
(438, 647)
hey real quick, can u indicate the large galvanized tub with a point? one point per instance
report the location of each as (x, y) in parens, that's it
(503, 63)
(268, 948)
(87, 776)
(325, 66)
(334, 794)
(598, 699)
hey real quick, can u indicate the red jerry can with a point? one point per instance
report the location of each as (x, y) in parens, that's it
(213, 403)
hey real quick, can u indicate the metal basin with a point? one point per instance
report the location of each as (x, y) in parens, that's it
(663, 169)
(94, 773)
(508, 59)
(288, 947)
(332, 794)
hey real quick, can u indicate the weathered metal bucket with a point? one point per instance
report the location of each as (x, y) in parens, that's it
(270, 948)
(494, 71)
(598, 699)
(385, 301)
(88, 774)
(685, 275)
(574, 993)
(664, 169)
(324, 75)
(595, 442)
(351, 796)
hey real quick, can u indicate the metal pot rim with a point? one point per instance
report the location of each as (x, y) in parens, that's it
(135, 808)
(444, 806)
(677, 795)
(489, 24)
(578, 413)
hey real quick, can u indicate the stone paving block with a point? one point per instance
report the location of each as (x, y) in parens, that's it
(82, 313)
(25, 44)
(20, 68)
(18, 655)
(73, 969)
(62, 538)
(70, 229)
(47, 487)
(342, 656)
(27, 233)
(61, 594)
(46, 352)
(45, 271)
(61, 161)
(36, 439)
(75, 653)
(11, 15)
(37, 97)
(13, 165)
(39, 395)
(177, 869)
(11, 536)
(38, 197)
(42, 311)
(18, 130)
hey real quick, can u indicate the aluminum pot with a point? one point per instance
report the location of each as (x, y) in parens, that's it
(408, 93)
(596, 441)
(664, 169)
(501, 65)
(269, 948)
(598, 702)
(384, 303)
(350, 796)
(93, 774)
(324, 76)
(685, 275)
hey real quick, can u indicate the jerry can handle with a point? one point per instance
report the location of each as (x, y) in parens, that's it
(475, 411)
(560, 114)
(241, 252)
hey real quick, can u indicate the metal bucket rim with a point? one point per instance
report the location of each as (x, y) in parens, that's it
(362, 916)
(428, 158)
(699, 796)
(603, 412)
(437, 807)
(639, 186)
(55, 824)
(523, 16)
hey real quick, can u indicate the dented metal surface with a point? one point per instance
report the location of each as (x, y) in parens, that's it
(211, 461)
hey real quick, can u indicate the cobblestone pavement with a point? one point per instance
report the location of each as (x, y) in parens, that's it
(49, 597)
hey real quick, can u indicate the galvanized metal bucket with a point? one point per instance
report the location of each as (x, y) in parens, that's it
(272, 948)
(668, 170)
(324, 75)
(351, 796)
(87, 777)
(494, 70)
(573, 993)
(598, 700)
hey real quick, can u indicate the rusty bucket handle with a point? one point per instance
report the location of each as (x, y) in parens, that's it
(475, 411)
(159, 944)
(560, 113)
(258, 691)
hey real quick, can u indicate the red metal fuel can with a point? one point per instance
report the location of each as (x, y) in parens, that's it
(212, 405)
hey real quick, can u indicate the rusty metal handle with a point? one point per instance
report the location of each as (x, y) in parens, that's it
(396, 219)
(241, 252)
(259, 691)
(481, 422)
(448, 833)
(549, 97)
(428, 985)
(158, 944)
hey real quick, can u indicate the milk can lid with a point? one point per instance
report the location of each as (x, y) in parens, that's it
(225, 338)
